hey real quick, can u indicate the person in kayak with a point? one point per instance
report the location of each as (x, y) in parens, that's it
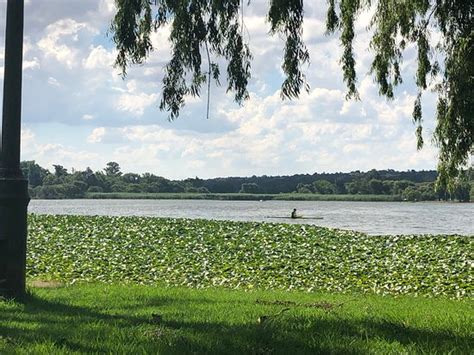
(293, 214)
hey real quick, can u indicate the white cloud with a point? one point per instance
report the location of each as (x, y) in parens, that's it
(58, 39)
(107, 8)
(136, 103)
(355, 148)
(133, 101)
(53, 82)
(97, 135)
(47, 154)
(27, 139)
(31, 64)
(99, 58)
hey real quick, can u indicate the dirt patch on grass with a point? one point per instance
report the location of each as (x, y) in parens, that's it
(45, 284)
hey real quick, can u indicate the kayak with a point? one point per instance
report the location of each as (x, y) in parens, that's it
(299, 217)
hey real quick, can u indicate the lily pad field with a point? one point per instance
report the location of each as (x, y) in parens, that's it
(240, 255)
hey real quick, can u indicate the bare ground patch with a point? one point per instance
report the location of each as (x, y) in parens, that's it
(45, 284)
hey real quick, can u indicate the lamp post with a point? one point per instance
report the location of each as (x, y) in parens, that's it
(13, 186)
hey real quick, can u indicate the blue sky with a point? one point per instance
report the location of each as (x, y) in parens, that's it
(78, 112)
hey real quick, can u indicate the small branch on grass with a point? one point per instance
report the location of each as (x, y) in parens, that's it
(323, 305)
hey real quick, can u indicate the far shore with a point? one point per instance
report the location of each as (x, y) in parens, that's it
(249, 197)
(243, 197)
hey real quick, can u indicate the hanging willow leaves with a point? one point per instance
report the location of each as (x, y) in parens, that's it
(286, 17)
(201, 26)
(397, 23)
(205, 26)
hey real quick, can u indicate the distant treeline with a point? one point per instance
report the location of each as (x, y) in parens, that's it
(405, 185)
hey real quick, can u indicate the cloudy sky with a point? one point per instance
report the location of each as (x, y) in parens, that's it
(78, 112)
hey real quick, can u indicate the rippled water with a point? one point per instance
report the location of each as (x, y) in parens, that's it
(369, 217)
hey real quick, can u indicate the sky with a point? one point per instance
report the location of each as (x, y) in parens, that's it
(78, 111)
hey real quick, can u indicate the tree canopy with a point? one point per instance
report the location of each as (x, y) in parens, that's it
(366, 186)
(214, 29)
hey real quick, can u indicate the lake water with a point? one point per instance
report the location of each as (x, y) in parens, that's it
(369, 217)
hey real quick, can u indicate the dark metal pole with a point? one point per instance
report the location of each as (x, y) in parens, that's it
(13, 186)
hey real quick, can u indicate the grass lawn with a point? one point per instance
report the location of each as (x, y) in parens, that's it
(100, 318)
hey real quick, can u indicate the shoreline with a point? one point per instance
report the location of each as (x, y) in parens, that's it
(241, 197)
(244, 197)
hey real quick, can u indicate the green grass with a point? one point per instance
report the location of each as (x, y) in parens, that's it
(246, 255)
(119, 320)
(239, 196)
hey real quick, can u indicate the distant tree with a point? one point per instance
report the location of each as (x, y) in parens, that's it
(80, 187)
(103, 181)
(372, 174)
(462, 189)
(135, 188)
(33, 172)
(400, 186)
(202, 190)
(194, 182)
(59, 171)
(304, 188)
(75, 176)
(76, 184)
(47, 192)
(118, 186)
(388, 187)
(89, 177)
(51, 180)
(112, 169)
(411, 193)
(351, 188)
(95, 189)
(323, 187)
(249, 188)
(155, 187)
(131, 178)
(359, 185)
(377, 187)
(427, 191)
(442, 193)
(148, 178)
(175, 187)
(339, 187)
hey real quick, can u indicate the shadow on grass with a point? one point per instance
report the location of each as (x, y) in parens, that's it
(322, 336)
(88, 329)
(67, 326)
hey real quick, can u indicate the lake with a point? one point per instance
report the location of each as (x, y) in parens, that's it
(375, 218)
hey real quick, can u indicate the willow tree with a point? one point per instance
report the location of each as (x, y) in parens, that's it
(213, 29)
